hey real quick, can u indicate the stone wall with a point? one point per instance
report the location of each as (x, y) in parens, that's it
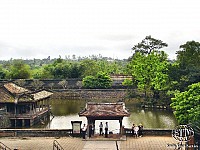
(73, 83)
(102, 94)
(68, 132)
(35, 132)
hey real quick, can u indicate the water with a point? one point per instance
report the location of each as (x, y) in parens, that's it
(66, 111)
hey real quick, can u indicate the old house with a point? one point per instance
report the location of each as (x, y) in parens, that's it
(23, 107)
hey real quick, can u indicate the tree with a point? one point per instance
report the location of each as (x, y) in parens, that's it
(74, 70)
(89, 82)
(101, 80)
(188, 58)
(37, 84)
(189, 55)
(89, 67)
(63, 83)
(19, 70)
(2, 72)
(51, 85)
(148, 45)
(150, 72)
(186, 105)
(20, 82)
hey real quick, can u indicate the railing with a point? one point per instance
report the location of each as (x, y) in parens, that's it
(2, 111)
(57, 146)
(28, 115)
(4, 147)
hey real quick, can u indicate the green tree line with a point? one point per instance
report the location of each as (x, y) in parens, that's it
(60, 68)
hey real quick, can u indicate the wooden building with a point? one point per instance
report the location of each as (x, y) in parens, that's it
(24, 108)
(105, 111)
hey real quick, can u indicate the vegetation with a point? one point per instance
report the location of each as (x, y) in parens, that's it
(186, 104)
(148, 45)
(152, 73)
(60, 68)
(100, 81)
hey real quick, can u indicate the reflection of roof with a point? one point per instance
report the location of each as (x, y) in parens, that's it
(11, 93)
(104, 110)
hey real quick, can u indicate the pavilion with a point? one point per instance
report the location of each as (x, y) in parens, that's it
(105, 111)
(25, 108)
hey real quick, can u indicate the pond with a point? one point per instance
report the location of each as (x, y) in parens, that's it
(65, 111)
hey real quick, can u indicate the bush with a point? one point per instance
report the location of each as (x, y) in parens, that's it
(101, 80)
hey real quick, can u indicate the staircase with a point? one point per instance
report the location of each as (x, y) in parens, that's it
(57, 146)
(4, 147)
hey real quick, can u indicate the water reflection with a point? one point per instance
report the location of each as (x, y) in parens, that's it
(66, 111)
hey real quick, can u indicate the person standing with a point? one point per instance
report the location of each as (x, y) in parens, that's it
(84, 129)
(136, 129)
(106, 130)
(133, 129)
(90, 130)
(101, 128)
(140, 132)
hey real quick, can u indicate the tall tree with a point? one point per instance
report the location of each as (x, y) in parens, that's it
(189, 54)
(148, 45)
(188, 58)
(150, 71)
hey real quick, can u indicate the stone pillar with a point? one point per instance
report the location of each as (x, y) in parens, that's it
(120, 122)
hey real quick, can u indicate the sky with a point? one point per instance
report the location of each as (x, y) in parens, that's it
(41, 28)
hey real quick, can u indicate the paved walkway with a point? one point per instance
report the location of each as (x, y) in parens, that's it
(68, 143)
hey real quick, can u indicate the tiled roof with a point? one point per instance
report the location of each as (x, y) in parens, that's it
(42, 94)
(104, 110)
(14, 89)
(14, 94)
(6, 97)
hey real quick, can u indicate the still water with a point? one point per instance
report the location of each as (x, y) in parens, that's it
(65, 111)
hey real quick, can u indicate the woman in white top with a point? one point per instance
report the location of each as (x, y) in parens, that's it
(136, 129)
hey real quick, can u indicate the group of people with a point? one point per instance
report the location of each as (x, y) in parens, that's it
(91, 130)
(101, 129)
(137, 131)
(84, 130)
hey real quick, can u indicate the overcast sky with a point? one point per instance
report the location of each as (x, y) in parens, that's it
(42, 28)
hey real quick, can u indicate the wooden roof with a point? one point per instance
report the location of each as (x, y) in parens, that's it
(11, 93)
(104, 110)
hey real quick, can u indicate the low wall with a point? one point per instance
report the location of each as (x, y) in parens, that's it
(166, 132)
(35, 132)
(90, 94)
(67, 132)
